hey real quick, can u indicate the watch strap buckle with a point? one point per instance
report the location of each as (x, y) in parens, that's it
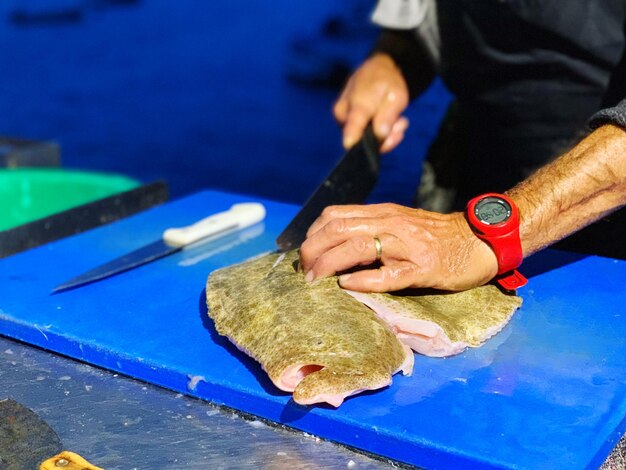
(511, 280)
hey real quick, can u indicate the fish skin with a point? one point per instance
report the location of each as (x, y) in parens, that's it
(438, 323)
(266, 302)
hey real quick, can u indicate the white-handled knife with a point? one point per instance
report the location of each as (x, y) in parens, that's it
(239, 216)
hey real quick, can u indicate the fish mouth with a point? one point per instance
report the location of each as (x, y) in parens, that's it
(293, 375)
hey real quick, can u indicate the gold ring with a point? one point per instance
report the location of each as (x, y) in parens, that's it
(379, 248)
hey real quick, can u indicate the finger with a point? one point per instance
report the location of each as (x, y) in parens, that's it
(328, 237)
(340, 109)
(388, 113)
(365, 100)
(396, 136)
(360, 250)
(358, 118)
(365, 211)
(356, 251)
(337, 212)
(384, 279)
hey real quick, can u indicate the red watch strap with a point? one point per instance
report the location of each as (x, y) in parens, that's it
(512, 280)
(508, 250)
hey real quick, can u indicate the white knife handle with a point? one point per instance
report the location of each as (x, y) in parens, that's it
(237, 217)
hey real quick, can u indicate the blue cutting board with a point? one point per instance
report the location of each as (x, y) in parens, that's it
(549, 391)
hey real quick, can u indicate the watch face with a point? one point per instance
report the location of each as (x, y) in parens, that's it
(492, 210)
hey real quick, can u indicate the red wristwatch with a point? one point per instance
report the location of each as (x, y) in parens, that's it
(494, 218)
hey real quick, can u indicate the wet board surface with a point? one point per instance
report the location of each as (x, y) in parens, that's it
(548, 392)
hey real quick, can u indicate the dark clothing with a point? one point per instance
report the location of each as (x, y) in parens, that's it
(490, 48)
(527, 76)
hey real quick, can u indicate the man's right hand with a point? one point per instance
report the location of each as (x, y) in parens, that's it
(376, 92)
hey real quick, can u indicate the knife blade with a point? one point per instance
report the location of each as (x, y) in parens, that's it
(173, 240)
(349, 182)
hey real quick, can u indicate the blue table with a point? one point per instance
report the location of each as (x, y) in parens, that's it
(548, 392)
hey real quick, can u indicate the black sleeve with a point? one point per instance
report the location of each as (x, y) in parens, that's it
(409, 55)
(615, 115)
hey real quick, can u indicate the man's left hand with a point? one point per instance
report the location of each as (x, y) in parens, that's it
(417, 249)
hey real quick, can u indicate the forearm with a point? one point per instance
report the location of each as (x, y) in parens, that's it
(410, 57)
(575, 190)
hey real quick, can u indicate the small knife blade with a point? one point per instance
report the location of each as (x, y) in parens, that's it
(239, 216)
(349, 182)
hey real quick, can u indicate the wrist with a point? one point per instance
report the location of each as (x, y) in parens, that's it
(409, 57)
(486, 255)
(482, 264)
(385, 61)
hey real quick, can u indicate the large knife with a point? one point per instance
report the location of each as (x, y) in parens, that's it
(350, 182)
(239, 216)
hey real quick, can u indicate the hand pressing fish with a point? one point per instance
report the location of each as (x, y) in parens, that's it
(321, 344)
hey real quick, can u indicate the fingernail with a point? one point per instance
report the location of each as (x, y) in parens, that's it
(343, 278)
(308, 277)
(387, 144)
(401, 125)
(383, 130)
(348, 142)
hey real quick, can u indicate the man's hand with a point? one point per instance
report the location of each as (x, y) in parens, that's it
(419, 249)
(376, 92)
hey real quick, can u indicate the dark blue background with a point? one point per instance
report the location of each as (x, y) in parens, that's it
(206, 94)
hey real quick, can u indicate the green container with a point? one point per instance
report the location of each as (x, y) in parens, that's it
(30, 194)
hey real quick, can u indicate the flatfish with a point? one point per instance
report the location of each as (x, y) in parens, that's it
(323, 343)
(312, 339)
